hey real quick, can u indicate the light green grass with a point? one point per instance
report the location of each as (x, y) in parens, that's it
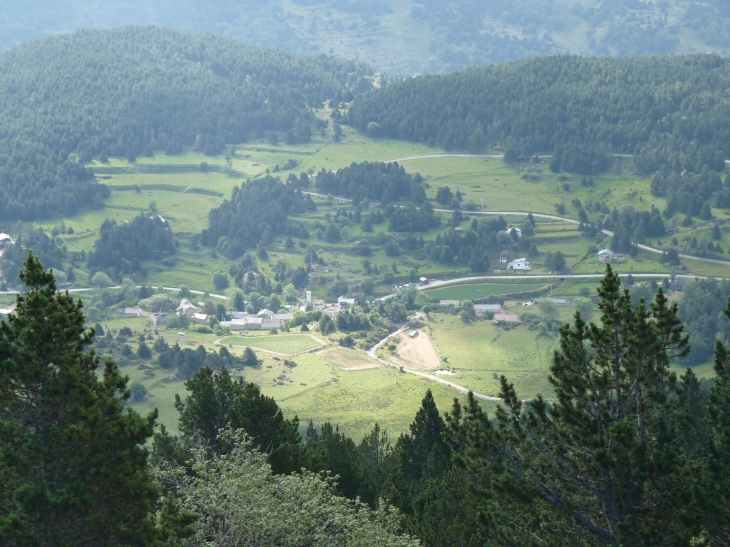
(502, 188)
(316, 390)
(286, 344)
(481, 352)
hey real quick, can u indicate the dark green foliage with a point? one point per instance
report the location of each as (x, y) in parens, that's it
(615, 438)
(133, 90)
(383, 182)
(43, 246)
(633, 225)
(189, 361)
(73, 467)
(120, 248)
(578, 108)
(412, 219)
(330, 450)
(217, 400)
(687, 193)
(701, 311)
(347, 322)
(257, 211)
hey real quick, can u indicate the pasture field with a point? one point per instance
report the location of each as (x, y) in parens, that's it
(480, 352)
(502, 187)
(316, 390)
(474, 291)
(349, 359)
(285, 344)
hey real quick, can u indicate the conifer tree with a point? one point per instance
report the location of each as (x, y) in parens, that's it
(73, 467)
(610, 455)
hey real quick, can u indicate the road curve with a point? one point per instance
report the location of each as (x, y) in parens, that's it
(372, 353)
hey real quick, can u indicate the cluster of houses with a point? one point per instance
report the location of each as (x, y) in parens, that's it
(333, 309)
(263, 320)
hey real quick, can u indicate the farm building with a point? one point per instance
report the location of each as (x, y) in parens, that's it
(519, 264)
(503, 257)
(481, 309)
(450, 303)
(256, 322)
(606, 256)
(413, 333)
(424, 280)
(345, 302)
(123, 313)
(562, 302)
(319, 305)
(506, 318)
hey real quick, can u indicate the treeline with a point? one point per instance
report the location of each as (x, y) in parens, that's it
(121, 248)
(256, 213)
(139, 90)
(581, 109)
(375, 181)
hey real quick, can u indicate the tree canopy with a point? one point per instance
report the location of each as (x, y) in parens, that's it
(665, 110)
(133, 90)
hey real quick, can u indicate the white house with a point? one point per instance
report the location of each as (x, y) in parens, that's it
(187, 308)
(519, 264)
(606, 256)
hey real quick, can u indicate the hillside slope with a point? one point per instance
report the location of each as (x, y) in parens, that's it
(406, 36)
(136, 90)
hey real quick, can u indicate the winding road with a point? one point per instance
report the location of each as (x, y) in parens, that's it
(373, 354)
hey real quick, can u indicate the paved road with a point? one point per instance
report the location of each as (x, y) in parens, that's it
(87, 289)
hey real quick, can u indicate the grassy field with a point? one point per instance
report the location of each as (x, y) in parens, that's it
(316, 390)
(285, 344)
(480, 352)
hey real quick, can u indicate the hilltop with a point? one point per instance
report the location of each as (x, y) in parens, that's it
(405, 37)
(137, 91)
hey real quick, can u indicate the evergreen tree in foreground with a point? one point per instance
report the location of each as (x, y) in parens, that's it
(73, 469)
(611, 461)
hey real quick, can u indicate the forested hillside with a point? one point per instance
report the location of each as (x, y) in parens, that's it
(142, 90)
(406, 36)
(668, 110)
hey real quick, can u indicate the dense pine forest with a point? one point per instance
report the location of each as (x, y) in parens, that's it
(136, 91)
(669, 111)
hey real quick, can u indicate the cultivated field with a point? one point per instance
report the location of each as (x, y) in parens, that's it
(416, 353)
(348, 359)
